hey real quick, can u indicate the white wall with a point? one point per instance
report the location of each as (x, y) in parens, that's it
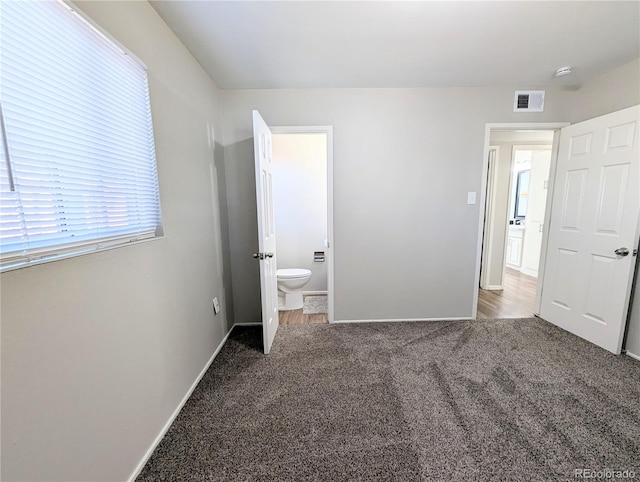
(613, 91)
(536, 207)
(98, 351)
(300, 200)
(405, 240)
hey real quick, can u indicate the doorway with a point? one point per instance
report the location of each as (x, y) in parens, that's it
(302, 194)
(518, 170)
(590, 234)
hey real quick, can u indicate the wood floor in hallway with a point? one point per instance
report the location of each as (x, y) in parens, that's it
(516, 300)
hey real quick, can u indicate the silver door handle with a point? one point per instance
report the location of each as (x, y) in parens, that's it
(622, 251)
(268, 255)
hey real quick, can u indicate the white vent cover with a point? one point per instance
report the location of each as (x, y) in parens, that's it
(528, 101)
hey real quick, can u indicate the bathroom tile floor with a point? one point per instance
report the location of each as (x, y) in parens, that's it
(297, 317)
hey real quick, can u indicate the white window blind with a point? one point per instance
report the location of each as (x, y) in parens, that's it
(78, 167)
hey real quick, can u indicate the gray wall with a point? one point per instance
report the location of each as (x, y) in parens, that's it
(632, 344)
(405, 240)
(608, 93)
(616, 90)
(99, 350)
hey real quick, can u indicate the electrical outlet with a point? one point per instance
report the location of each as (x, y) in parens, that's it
(216, 306)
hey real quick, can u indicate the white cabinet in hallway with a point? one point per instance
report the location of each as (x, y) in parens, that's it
(514, 247)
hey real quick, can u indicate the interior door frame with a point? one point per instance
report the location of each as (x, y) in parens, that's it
(328, 130)
(489, 216)
(547, 126)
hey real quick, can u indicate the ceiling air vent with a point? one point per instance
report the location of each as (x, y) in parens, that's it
(528, 101)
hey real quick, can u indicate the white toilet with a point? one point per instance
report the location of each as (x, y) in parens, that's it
(290, 284)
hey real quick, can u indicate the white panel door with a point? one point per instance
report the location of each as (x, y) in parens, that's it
(594, 222)
(266, 230)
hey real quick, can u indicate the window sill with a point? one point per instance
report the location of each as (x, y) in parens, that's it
(93, 249)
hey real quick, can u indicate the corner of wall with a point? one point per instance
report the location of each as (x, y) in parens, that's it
(608, 93)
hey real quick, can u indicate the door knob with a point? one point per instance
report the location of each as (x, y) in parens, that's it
(268, 255)
(622, 251)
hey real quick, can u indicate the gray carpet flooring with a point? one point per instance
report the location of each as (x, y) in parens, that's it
(510, 400)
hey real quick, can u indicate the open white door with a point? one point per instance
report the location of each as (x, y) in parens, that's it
(266, 230)
(593, 232)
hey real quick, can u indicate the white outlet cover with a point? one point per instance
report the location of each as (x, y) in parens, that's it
(216, 306)
(471, 198)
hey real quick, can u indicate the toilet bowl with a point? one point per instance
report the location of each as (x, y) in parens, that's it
(290, 284)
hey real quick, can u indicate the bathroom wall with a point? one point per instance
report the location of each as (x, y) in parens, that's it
(99, 350)
(300, 201)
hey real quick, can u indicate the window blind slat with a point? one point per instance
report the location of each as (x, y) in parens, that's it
(42, 129)
(79, 136)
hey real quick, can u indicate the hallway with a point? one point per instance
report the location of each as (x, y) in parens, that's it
(517, 300)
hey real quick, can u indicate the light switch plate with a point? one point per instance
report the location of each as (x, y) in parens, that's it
(471, 198)
(216, 306)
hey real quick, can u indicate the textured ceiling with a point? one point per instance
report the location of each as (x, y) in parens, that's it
(309, 44)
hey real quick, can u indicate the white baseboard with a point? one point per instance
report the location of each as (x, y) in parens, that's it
(628, 353)
(175, 413)
(314, 293)
(399, 320)
(248, 323)
(494, 288)
(529, 272)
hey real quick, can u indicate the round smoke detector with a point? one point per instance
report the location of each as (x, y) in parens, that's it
(563, 71)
